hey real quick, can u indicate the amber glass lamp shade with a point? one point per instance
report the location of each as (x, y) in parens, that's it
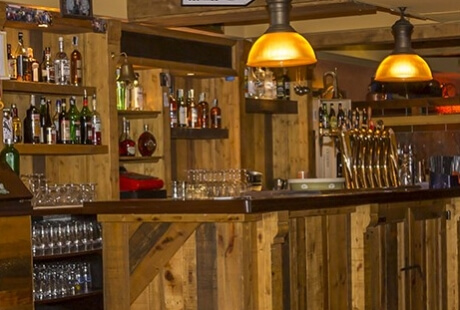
(403, 68)
(403, 64)
(281, 49)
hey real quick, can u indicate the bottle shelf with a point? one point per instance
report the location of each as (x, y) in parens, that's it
(140, 159)
(60, 256)
(271, 106)
(199, 133)
(46, 88)
(60, 149)
(91, 293)
(138, 114)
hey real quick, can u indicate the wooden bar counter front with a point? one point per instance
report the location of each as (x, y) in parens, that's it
(283, 251)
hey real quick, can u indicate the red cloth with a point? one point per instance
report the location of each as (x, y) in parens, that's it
(130, 181)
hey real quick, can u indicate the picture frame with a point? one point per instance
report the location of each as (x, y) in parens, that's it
(77, 8)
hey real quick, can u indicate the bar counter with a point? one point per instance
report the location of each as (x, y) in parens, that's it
(381, 249)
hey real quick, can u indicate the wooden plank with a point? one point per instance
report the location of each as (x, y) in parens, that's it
(158, 255)
(206, 271)
(452, 265)
(339, 279)
(46, 88)
(116, 265)
(178, 218)
(60, 149)
(15, 259)
(298, 275)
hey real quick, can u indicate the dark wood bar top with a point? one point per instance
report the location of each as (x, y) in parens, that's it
(268, 201)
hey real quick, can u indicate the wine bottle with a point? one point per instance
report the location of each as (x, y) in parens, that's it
(203, 111)
(10, 156)
(86, 122)
(22, 59)
(64, 124)
(75, 125)
(182, 108)
(126, 146)
(17, 124)
(49, 132)
(12, 68)
(216, 120)
(172, 111)
(96, 123)
(32, 123)
(76, 64)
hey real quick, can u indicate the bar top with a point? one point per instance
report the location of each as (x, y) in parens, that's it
(268, 201)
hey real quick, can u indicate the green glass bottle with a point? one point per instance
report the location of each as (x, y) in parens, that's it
(75, 127)
(10, 156)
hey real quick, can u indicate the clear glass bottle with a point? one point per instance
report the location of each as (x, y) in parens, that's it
(146, 144)
(96, 123)
(49, 132)
(121, 92)
(182, 106)
(47, 67)
(75, 125)
(64, 124)
(17, 124)
(76, 64)
(192, 110)
(33, 73)
(203, 111)
(12, 67)
(216, 118)
(86, 122)
(126, 146)
(61, 65)
(10, 155)
(172, 111)
(137, 95)
(7, 123)
(22, 58)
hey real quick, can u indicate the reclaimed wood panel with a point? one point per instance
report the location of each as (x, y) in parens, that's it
(15, 263)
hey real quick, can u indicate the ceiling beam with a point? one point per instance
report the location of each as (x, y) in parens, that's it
(168, 13)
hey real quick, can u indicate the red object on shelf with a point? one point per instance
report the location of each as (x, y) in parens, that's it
(131, 181)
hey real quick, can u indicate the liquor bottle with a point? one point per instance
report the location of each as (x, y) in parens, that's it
(12, 68)
(216, 120)
(326, 119)
(47, 67)
(75, 125)
(57, 112)
(21, 58)
(17, 124)
(7, 125)
(182, 108)
(32, 123)
(61, 65)
(192, 110)
(287, 84)
(365, 121)
(42, 111)
(121, 92)
(203, 111)
(34, 67)
(146, 144)
(64, 124)
(332, 117)
(50, 131)
(172, 111)
(137, 95)
(76, 64)
(340, 116)
(86, 122)
(280, 93)
(9, 155)
(96, 123)
(126, 146)
(320, 118)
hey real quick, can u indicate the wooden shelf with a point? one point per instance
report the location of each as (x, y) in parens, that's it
(267, 106)
(198, 133)
(60, 256)
(60, 149)
(93, 292)
(138, 114)
(46, 88)
(415, 120)
(140, 159)
(417, 104)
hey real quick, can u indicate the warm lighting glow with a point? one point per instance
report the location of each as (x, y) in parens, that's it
(281, 49)
(403, 64)
(403, 68)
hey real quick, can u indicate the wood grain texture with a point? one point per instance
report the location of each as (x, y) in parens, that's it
(15, 263)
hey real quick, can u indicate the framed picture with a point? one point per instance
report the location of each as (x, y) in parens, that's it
(3, 57)
(77, 8)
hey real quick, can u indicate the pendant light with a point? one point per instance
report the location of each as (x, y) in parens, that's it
(403, 64)
(280, 45)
